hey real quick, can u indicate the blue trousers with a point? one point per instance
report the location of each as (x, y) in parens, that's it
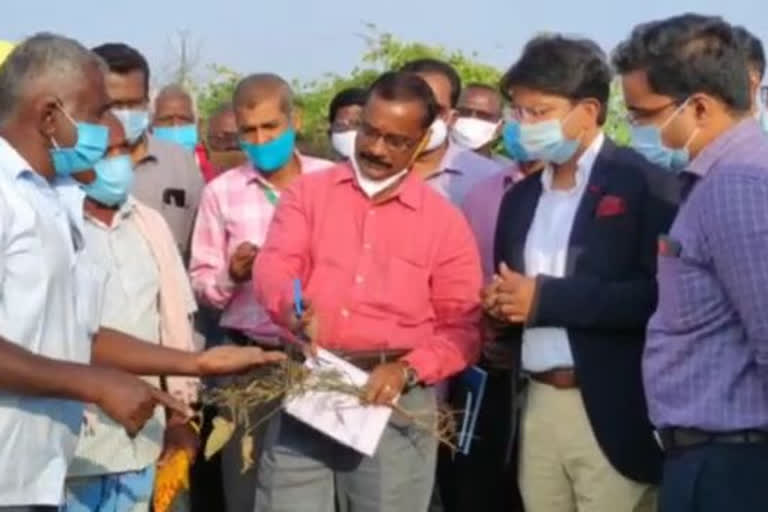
(117, 492)
(716, 478)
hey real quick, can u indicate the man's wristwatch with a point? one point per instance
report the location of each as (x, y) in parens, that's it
(409, 375)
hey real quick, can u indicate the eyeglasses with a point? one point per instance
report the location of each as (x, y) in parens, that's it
(637, 115)
(393, 141)
(530, 113)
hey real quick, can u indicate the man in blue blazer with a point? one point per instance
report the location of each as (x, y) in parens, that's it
(576, 250)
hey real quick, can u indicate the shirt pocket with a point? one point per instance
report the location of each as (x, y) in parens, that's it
(681, 291)
(407, 290)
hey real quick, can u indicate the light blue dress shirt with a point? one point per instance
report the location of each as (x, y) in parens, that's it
(49, 304)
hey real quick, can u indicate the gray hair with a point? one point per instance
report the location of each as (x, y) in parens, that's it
(43, 58)
(177, 91)
(260, 86)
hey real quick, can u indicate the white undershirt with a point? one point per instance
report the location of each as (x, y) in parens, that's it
(546, 252)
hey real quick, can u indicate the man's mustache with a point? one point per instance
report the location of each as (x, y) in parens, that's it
(372, 159)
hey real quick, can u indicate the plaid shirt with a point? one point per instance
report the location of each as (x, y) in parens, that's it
(707, 349)
(235, 207)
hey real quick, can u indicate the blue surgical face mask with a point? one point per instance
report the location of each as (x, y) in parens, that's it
(185, 135)
(114, 180)
(545, 141)
(646, 140)
(511, 137)
(135, 122)
(272, 155)
(92, 140)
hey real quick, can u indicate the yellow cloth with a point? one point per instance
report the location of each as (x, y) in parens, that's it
(6, 47)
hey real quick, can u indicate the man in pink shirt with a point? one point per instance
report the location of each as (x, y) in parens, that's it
(235, 211)
(392, 275)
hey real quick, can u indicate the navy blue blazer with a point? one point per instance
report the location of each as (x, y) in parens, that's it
(607, 295)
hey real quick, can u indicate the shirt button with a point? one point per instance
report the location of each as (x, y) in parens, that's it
(359, 279)
(367, 246)
(371, 212)
(345, 313)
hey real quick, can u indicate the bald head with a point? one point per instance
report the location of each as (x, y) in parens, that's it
(173, 107)
(264, 108)
(222, 129)
(260, 87)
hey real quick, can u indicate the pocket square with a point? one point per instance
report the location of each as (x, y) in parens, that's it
(610, 206)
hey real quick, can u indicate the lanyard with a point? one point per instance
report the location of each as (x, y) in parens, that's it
(270, 194)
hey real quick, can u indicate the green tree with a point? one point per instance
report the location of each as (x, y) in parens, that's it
(616, 125)
(383, 52)
(217, 91)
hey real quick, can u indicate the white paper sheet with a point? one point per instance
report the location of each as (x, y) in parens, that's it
(338, 415)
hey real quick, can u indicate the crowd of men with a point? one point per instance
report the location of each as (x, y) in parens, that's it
(617, 296)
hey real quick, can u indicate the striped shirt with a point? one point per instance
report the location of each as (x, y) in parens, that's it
(235, 207)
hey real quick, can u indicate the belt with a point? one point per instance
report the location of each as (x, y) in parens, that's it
(560, 378)
(369, 359)
(676, 438)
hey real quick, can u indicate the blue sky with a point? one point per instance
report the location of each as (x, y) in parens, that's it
(304, 38)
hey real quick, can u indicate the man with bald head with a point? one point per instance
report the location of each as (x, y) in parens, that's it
(167, 177)
(174, 117)
(222, 144)
(235, 212)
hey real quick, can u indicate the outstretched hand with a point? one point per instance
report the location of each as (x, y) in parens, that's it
(129, 400)
(229, 359)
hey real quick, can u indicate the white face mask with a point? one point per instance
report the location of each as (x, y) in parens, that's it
(344, 142)
(473, 133)
(438, 134)
(373, 187)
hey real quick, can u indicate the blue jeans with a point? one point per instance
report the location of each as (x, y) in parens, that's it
(117, 492)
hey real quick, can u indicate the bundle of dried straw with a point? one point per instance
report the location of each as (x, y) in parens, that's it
(288, 379)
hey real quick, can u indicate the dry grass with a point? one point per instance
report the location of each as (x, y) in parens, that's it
(288, 379)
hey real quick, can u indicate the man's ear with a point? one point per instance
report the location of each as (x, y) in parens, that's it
(298, 120)
(45, 112)
(704, 107)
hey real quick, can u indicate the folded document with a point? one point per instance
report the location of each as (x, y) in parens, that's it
(338, 415)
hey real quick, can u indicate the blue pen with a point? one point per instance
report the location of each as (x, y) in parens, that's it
(298, 304)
